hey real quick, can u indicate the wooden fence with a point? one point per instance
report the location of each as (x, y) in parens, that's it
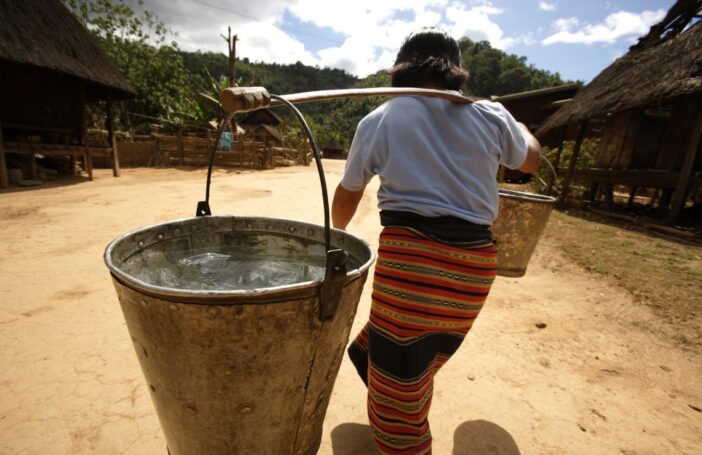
(162, 150)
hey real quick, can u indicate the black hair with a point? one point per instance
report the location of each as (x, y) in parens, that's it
(429, 56)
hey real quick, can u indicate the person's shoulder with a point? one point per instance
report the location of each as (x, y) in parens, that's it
(491, 109)
(373, 118)
(489, 106)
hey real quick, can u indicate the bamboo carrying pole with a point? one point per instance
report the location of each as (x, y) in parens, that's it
(245, 99)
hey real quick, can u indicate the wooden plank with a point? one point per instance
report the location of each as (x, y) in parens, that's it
(674, 135)
(692, 144)
(111, 140)
(573, 161)
(4, 180)
(633, 125)
(644, 178)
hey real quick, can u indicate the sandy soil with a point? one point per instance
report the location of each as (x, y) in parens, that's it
(600, 378)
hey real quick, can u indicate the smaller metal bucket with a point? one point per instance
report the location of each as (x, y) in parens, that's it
(521, 220)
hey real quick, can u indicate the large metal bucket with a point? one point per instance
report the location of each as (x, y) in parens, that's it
(240, 371)
(519, 224)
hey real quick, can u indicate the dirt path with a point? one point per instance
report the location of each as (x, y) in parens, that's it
(599, 378)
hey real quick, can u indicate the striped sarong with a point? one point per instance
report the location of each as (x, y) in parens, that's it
(425, 298)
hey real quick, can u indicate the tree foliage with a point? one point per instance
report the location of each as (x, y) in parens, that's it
(171, 83)
(494, 72)
(137, 43)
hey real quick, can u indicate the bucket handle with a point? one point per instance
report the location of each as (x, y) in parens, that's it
(331, 290)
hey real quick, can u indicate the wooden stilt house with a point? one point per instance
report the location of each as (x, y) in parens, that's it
(646, 110)
(50, 69)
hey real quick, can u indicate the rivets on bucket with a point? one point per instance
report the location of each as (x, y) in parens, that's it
(178, 231)
(144, 303)
(214, 311)
(173, 307)
(310, 232)
(159, 237)
(190, 408)
(246, 408)
(292, 229)
(269, 227)
(249, 226)
(193, 228)
(141, 244)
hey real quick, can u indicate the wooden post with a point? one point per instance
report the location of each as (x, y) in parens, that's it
(632, 195)
(84, 136)
(573, 161)
(692, 145)
(181, 148)
(111, 139)
(4, 180)
(231, 47)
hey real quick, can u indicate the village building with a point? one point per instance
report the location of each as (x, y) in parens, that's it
(532, 108)
(261, 126)
(646, 111)
(50, 69)
(334, 149)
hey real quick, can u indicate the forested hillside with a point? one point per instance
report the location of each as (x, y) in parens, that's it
(493, 72)
(177, 87)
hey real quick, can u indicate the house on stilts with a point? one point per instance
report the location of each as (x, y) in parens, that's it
(51, 68)
(646, 111)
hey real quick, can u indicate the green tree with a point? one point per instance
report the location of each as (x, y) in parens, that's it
(494, 72)
(137, 43)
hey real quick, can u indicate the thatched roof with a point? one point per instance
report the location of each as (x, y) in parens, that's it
(267, 130)
(261, 117)
(639, 78)
(43, 33)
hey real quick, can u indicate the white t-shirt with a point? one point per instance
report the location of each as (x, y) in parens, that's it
(435, 157)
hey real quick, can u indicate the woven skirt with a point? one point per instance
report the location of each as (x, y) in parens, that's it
(426, 295)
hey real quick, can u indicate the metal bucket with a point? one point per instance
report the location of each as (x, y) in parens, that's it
(521, 220)
(245, 370)
(239, 371)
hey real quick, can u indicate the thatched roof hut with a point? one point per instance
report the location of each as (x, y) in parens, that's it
(641, 77)
(44, 34)
(50, 68)
(646, 111)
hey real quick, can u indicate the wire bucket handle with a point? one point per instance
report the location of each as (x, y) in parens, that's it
(331, 290)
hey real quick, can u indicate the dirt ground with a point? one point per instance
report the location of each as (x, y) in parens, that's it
(599, 378)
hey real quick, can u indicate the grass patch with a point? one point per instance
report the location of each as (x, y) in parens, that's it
(663, 274)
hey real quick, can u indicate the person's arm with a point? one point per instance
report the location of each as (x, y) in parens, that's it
(533, 158)
(344, 206)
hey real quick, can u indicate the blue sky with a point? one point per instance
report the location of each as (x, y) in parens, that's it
(578, 39)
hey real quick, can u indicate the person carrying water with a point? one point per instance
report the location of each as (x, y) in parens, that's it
(437, 162)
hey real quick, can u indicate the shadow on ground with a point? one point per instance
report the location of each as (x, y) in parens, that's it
(475, 437)
(478, 437)
(353, 439)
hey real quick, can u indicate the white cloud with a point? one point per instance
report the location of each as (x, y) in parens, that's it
(476, 24)
(371, 30)
(616, 26)
(545, 6)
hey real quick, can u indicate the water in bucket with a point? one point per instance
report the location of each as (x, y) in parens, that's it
(223, 270)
